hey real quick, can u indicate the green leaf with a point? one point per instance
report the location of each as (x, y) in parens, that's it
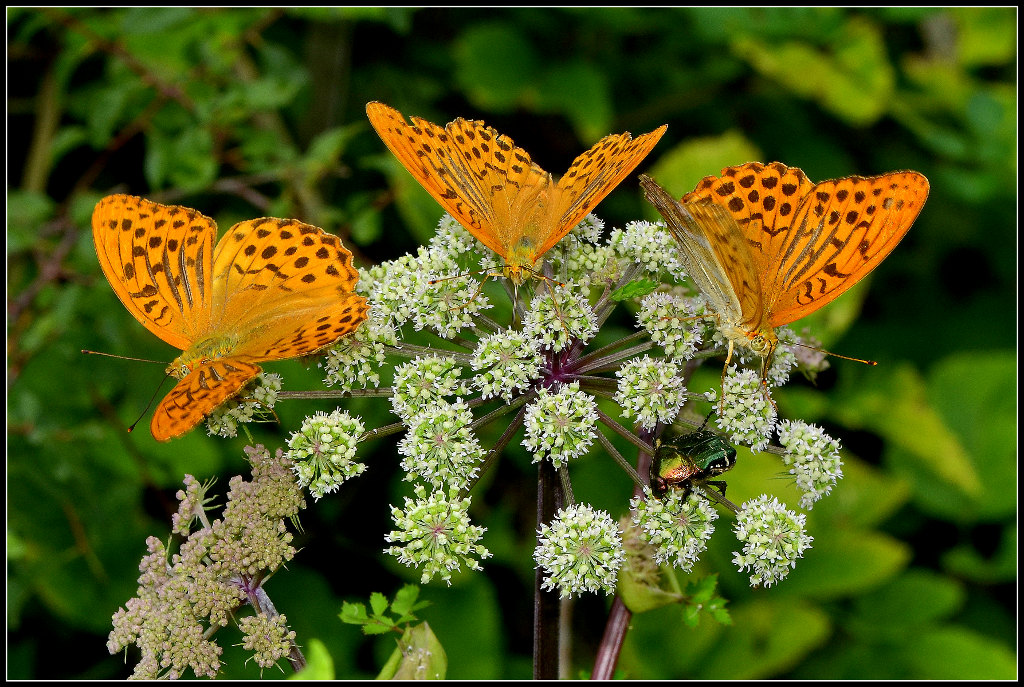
(907, 603)
(581, 91)
(405, 599)
(953, 653)
(353, 613)
(766, 639)
(842, 562)
(319, 664)
(496, 65)
(378, 603)
(638, 288)
(924, 450)
(854, 80)
(974, 394)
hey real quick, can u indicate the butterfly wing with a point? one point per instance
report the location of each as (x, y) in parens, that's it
(283, 288)
(763, 199)
(197, 394)
(840, 232)
(714, 255)
(475, 173)
(157, 259)
(591, 177)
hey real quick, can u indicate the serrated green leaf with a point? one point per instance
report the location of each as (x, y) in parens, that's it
(377, 628)
(353, 613)
(405, 598)
(638, 288)
(378, 603)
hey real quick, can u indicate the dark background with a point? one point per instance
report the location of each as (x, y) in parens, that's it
(249, 112)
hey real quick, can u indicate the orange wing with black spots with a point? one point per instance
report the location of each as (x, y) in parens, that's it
(811, 242)
(272, 289)
(496, 191)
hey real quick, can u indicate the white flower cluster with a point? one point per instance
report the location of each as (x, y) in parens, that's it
(506, 363)
(651, 391)
(678, 528)
(748, 416)
(437, 534)
(580, 551)
(561, 425)
(323, 451)
(812, 457)
(773, 538)
(440, 447)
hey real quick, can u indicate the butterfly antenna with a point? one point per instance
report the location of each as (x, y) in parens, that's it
(872, 363)
(122, 357)
(150, 404)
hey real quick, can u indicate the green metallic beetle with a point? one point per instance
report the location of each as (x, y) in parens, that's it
(689, 459)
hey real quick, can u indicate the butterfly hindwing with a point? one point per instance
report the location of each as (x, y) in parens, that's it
(198, 394)
(285, 288)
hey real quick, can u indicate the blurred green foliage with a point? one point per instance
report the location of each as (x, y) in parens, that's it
(249, 112)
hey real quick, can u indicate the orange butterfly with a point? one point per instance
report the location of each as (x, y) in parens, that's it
(496, 191)
(274, 289)
(766, 246)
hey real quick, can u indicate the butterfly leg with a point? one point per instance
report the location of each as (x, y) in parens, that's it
(765, 362)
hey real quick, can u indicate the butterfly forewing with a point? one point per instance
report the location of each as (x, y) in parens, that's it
(842, 230)
(592, 176)
(495, 190)
(710, 249)
(285, 287)
(198, 394)
(763, 199)
(158, 260)
(453, 175)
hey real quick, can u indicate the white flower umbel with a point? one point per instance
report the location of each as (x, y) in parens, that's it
(558, 315)
(440, 447)
(323, 451)
(580, 551)
(665, 317)
(353, 362)
(773, 538)
(391, 288)
(506, 362)
(253, 403)
(424, 382)
(562, 425)
(650, 245)
(812, 457)
(449, 299)
(650, 391)
(437, 534)
(749, 417)
(678, 528)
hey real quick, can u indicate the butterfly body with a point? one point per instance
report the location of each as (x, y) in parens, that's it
(496, 191)
(273, 289)
(766, 246)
